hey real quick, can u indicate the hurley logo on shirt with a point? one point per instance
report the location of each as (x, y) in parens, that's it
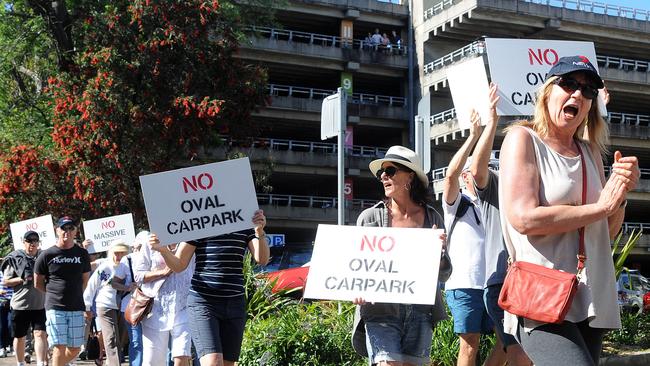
(60, 260)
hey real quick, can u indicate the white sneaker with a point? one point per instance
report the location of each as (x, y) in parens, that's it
(3, 353)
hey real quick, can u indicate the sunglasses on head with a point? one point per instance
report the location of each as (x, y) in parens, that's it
(68, 228)
(389, 170)
(571, 85)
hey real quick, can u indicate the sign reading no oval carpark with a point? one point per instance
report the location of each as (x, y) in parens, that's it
(103, 232)
(520, 66)
(394, 265)
(201, 201)
(42, 225)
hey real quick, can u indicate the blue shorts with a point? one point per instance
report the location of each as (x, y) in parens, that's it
(467, 309)
(217, 326)
(65, 328)
(491, 300)
(405, 337)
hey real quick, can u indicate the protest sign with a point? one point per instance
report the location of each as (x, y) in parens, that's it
(104, 231)
(469, 88)
(519, 67)
(393, 265)
(201, 201)
(42, 225)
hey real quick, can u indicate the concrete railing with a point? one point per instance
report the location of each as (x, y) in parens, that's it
(442, 116)
(474, 48)
(629, 226)
(628, 119)
(326, 40)
(311, 146)
(437, 8)
(313, 93)
(612, 117)
(596, 7)
(310, 201)
(623, 63)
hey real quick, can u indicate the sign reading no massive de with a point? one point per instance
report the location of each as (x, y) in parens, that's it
(201, 201)
(519, 67)
(104, 231)
(42, 225)
(394, 265)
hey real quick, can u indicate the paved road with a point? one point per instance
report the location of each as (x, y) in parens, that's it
(11, 361)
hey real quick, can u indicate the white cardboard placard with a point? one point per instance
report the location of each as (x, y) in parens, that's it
(200, 201)
(469, 88)
(393, 265)
(42, 225)
(104, 231)
(519, 67)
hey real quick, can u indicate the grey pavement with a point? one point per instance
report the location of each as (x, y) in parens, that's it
(11, 361)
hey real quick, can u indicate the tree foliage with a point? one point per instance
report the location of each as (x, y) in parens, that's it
(138, 87)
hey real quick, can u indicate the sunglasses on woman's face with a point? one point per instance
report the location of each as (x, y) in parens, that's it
(571, 85)
(389, 170)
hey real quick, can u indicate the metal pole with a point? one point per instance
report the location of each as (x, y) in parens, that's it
(411, 82)
(341, 166)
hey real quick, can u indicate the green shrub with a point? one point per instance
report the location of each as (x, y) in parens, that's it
(635, 331)
(301, 335)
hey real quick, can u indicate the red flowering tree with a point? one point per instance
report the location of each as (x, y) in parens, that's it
(149, 83)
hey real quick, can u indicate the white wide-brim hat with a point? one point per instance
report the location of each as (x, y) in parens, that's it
(401, 155)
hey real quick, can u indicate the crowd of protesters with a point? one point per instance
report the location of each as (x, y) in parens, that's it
(529, 211)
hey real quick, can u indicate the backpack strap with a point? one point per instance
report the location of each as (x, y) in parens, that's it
(131, 269)
(463, 206)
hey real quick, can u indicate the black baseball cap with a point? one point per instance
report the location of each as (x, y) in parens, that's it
(569, 64)
(65, 220)
(31, 233)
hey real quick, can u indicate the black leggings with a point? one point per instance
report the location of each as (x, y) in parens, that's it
(575, 344)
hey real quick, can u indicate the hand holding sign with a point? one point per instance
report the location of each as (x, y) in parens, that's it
(374, 264)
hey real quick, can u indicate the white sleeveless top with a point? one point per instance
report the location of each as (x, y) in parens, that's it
(560, 183)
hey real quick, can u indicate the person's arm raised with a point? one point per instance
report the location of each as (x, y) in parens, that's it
(176, 262)
(259, 246)
(481, 156)
(451, 188)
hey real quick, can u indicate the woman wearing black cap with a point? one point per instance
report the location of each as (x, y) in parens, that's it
(542, 210)
(399, 334)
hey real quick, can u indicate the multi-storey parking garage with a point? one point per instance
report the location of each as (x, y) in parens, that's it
(320, 45)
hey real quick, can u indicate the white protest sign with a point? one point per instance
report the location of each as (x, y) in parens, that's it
(201, 201)
(469, 88)
(42, 225)
(104, 231)
(393, 265)
(519, 67)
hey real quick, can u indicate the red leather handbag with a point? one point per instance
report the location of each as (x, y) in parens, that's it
(540, 293)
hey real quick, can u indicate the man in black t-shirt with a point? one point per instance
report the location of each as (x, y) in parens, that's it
(62, 272)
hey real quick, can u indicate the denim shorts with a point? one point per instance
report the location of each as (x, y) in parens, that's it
(403, 337)
(65, 328)
(491, 300)
(217, 325)
(468, 310)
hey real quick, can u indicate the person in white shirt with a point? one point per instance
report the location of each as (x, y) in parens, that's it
(466, 247)
(169, 316)
(103, 294)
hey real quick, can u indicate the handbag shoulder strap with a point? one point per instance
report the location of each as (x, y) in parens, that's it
(581, 249)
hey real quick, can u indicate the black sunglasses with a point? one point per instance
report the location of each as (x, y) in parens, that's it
(68, 228)
(33, 241)
(571, 85)
(389, 170)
